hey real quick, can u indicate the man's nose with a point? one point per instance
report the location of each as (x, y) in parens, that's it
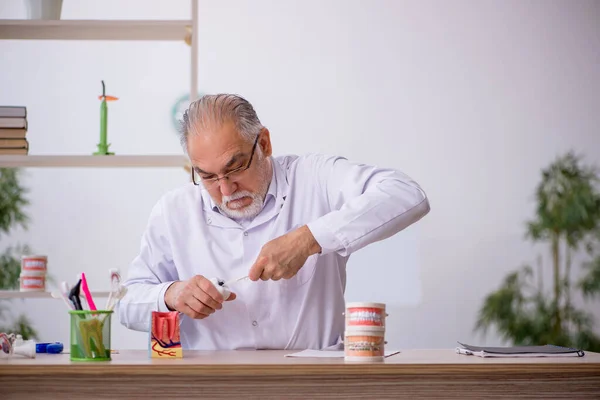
(227, 187)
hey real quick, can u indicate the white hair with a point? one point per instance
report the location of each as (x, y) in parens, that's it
(215, 110)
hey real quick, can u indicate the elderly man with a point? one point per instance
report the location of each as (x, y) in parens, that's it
(288, 223)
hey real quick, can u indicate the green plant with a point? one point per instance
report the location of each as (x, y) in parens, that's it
(12, 204)
(568, 220)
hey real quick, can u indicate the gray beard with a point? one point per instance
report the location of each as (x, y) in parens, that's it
(251, 211)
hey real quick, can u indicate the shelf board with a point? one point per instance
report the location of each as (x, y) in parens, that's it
(90, 161)
(16, 294)
(95, 29)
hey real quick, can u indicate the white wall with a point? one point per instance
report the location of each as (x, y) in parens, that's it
(470, 98)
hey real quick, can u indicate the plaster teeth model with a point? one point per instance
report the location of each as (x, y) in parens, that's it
(365, 314)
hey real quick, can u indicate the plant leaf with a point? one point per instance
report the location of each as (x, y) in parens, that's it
(12, 200)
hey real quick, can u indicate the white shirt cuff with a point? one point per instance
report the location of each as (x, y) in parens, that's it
(161, 305)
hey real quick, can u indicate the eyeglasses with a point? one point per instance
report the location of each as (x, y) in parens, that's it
(231, 174)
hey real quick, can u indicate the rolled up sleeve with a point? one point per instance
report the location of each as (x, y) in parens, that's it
(367, 204)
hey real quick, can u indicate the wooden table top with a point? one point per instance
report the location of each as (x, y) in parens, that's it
(274, 362)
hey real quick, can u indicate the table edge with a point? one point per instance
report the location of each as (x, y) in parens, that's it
(250, 369)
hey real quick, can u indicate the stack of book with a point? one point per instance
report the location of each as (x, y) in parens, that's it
(13, 128)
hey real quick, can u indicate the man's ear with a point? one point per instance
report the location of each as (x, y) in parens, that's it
(265, 143)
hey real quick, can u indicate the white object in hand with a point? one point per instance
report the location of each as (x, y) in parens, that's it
(235, 280)
(223, 289)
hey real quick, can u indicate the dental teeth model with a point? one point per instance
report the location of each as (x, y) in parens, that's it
(363, 317)
(364, 336)
(369, 314)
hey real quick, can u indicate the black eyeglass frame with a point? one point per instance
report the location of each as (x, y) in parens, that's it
(235, 171)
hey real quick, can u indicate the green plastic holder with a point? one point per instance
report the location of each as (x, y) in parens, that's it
(90, 335)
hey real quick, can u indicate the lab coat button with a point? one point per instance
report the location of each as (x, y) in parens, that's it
(254, 323)
(245, 233)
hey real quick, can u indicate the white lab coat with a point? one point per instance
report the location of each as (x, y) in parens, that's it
(345, 205)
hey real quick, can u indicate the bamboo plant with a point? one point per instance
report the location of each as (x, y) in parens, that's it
(567, 222)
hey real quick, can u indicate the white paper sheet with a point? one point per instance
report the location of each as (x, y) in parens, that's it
(331, 353)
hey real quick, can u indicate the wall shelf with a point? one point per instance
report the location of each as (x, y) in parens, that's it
(95, 29)
(185, 31)
(16, 294)
(90, 161)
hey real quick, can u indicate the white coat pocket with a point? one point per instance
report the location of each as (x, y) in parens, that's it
(303, 275)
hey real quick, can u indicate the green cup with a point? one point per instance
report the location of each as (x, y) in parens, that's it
(90, 335)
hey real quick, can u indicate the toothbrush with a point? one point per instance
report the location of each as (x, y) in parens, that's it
(235, 280)
(59, 294)
(86, 292)
(118, 296)
(115, 283)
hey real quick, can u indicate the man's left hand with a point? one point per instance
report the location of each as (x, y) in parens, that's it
(283, 257)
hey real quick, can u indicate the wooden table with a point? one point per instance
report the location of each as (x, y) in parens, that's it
(415, 374)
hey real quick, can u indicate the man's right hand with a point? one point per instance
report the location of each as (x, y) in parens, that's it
(197, 297)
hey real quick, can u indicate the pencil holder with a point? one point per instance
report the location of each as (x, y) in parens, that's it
(90, 335)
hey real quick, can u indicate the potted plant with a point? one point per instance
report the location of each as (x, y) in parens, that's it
(12, 203)
(567, 220)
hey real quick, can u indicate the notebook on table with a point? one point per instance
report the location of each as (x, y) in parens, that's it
(519, 351)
